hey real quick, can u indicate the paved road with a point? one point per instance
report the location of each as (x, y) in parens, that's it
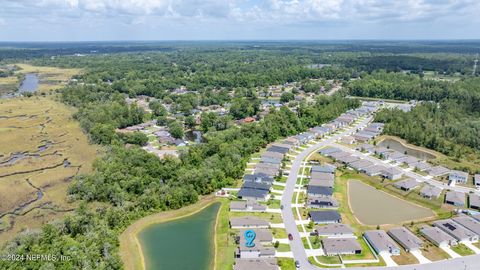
(464, 263)
(296, 245)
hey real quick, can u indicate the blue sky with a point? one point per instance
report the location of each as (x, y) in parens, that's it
(79, 20)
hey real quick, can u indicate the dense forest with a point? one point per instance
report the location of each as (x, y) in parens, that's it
(390, 85)
(446, 127)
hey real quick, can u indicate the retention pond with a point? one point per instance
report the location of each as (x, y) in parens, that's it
(186, 243)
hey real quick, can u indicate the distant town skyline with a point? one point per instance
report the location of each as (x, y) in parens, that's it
(103, 20)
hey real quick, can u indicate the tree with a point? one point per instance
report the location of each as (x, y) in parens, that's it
(190, 121)
(176, 129)
(286, 97)
(157, 108)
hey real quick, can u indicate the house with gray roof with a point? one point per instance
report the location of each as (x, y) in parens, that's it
(279, 149)
(321, 183)
(409, 160)
(374, 170)
(455, 198)
(325, 217)
(393, 155)
(338, 155)
(248, 222)
(254, 191)
(380, 150)
(438, 237)
(366, 148)
(328, 151)
(319, 191)
(247, 206)
(381, 242)
(476, 180)
(341, 246)
(458, 176)
(263, 236)
(321, 176)
(361, 165)
(456, 230)
(325, 168)
(275, 155)
(474, 201)
(406, 184)
(321, 202)
(392, 173)
(292, 141)
(258, 177)
(256, 264)
(347, 140)
(336, 230)
(421, 166)
(430, 191)
(347, 159)
(438, 171)
(271, 160)
(468, 223)
(406, 239)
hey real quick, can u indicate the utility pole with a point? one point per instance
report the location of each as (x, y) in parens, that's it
(475, 65)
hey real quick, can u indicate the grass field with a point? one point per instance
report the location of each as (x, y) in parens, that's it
(41, 149)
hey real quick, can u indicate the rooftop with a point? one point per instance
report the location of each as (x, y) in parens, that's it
(405, 238)
(334, 229)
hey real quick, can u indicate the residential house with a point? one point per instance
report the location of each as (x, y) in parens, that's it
(438, 171)
(247, 206)
(366, 148)
(248, 222)
(392, 173)
(406, 239)
(468, 223)
(456, 230)
(374, 170)
(262, 236)
(438, 237)
(421, 166)
(321, 202)
(341, 246)
(319, 191)
(321, 182)
(381, 242)
(256, 264)
(325, 168)
(347, 159)
(328, 151)
(407, 184)
(476, 180)
(348, 140)
(321, 176)
(361, 165)
(474, 201)
(254, 191)
(338, 230)
(430, 191)
(258, 177)
(325, 217)
(455, 197)
(458, 177)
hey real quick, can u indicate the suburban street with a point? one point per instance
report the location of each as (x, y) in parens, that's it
(296, 245)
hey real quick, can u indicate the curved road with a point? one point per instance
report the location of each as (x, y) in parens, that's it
(464, 263)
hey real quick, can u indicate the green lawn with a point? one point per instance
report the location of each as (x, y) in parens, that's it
(283, 248)
(286, 264)
(279, 233)
(225, 243)
(316, 244)
(463, 250)
(365, 255)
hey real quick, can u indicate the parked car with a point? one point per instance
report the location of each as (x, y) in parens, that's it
(290, 237)
(297, 264)
(281, 207)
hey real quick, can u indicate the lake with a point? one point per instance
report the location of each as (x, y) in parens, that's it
(186, 243)
(374, 207)
(398, 146)
(29, 84)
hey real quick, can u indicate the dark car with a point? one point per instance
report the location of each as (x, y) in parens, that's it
(297, 264)
(281, 207)
(290, 237)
